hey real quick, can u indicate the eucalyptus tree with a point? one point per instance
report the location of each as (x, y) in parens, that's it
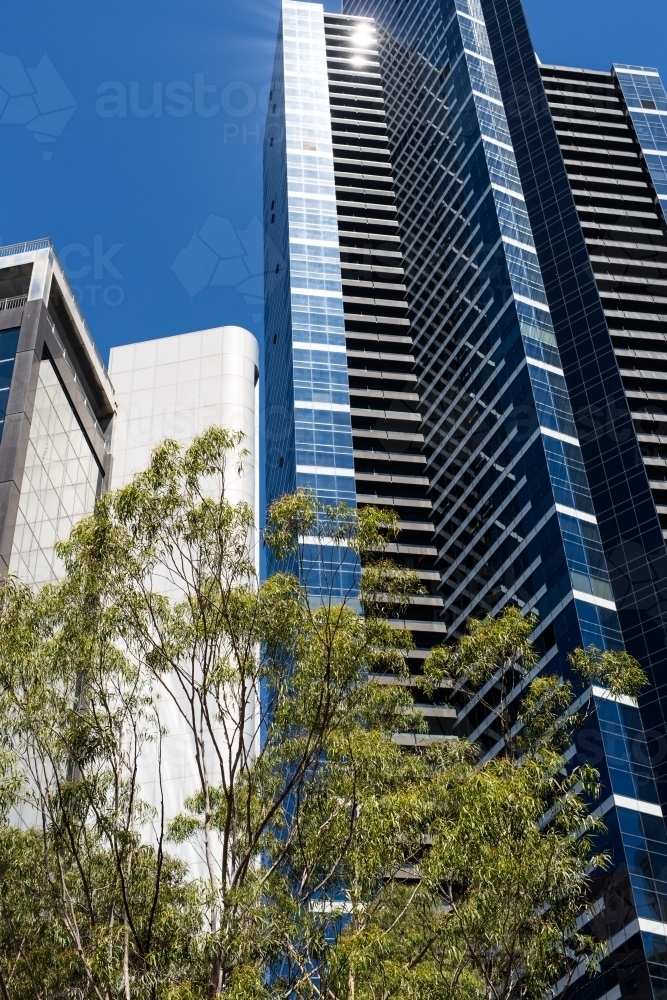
(268, 685)
(333, 863)
(86, 906)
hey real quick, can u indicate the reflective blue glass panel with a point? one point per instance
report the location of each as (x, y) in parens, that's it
(646, 101)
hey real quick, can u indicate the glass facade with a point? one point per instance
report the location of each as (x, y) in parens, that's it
(592, 311)
(309, 431)
(636, 839)
(513, 485)
(60, 482)
(8, 343)
(646, 101)
(501, 429)
(626, 239)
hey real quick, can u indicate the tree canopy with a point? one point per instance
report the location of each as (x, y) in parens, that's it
(330, 861)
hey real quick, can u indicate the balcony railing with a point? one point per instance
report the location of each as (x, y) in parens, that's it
(19, 248)
(13, 303)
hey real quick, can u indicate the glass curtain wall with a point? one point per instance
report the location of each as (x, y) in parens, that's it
(646, 102)
(516, 518)
(306, 366)
(501, 431)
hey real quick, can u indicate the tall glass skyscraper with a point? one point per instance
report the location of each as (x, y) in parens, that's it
(538, 489)
(309, 431)
(494, 241)
(342, 413)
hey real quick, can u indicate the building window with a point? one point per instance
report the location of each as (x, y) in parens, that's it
(9, 340)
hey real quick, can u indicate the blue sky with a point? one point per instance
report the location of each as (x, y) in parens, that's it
(132, 137)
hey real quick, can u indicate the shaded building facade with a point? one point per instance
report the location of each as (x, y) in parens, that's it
(616, 171)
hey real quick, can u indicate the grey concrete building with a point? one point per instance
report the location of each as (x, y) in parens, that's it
(56, 408)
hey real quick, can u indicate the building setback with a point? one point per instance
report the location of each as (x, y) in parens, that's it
(342, 406)
(539, 490)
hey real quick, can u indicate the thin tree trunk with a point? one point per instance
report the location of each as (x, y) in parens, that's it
(216, 971)
(126, 939)
(4, 992)
(126, 961)
(111, 923)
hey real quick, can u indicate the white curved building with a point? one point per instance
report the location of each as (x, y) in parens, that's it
(66, 436)
(177, 387)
